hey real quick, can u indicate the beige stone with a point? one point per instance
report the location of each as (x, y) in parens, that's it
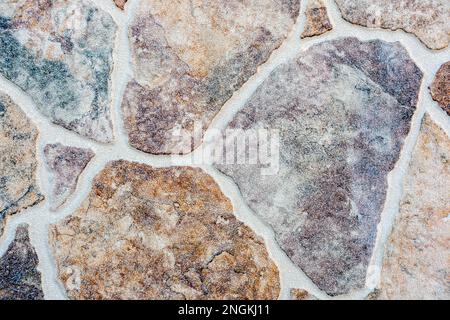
(147, 233)
(417, 257)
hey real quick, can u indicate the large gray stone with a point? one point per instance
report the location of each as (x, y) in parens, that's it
(343, 109)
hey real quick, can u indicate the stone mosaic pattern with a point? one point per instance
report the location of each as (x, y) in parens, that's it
(161, 234)
(189, 58)
(98, 100)
(317, 21)
(18, 163)
(65, 164)
(60, 53)
(19, 278)
(440, 89)
(426, 19)
(417, 260)
(337, 147)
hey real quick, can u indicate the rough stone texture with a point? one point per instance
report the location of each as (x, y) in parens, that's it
(147, 233)
(427, 19)
(417, 258)
(19, 278)
(300, 294)
(440, 89)
(18, 189)
(342, 109)
(189, 58)
(66, 165)
(317, 21)
(120, 3)
(60, 53)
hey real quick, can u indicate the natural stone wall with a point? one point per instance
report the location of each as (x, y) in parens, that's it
(116, 180)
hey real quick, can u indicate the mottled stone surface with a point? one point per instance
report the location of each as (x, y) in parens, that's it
(343, 109)
(147, 233)
(426, 19)
(317, 21)
(440, 88)
(19, 278)
(300, 294)
(60, 53)
(66, 165)
(18, 189)
(189, 58)
(417, 257)
(120, 3)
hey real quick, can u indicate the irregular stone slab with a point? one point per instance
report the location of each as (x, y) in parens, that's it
(343, 109)
(120, 4)
(19, 277)
(60, 53)
(426, 19)
(66, 165)
(300, 294)
(189, 58)
(417, 259)
(317, 21)
(18, 187)
(440, 89)
(147, 233)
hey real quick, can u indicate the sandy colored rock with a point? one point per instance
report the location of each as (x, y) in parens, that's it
(147, 233)
(417, 258)
(19, 277)
(317, 21)
(440, 89)
(18, 188)
(120, 3)
(300, 294)
(66, 165)
(60, 53)
(189, 58)
(343, 109)
(428, 20)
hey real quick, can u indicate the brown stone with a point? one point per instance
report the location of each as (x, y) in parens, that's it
(440, 89)
(417, 258)
(169, 233)
(120, 3)
(300, 294)
(189, 57)
(18, 164)
(65, 164)
(317, 21)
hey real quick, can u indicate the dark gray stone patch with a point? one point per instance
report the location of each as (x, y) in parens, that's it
(19, 278)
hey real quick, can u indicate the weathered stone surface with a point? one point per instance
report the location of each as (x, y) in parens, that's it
(440, 89)
(147, 233)
(426, 19)
(317, 21)
(60, 53)
(189, 58)
(300, 294)
(18, 189)
(19, 278)
(120, 3)
(417, 258)
(66, 165)
(342, 109)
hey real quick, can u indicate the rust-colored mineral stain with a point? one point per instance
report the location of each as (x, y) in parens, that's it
(440, 89)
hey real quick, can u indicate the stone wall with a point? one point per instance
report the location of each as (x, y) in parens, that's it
(111, 114)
